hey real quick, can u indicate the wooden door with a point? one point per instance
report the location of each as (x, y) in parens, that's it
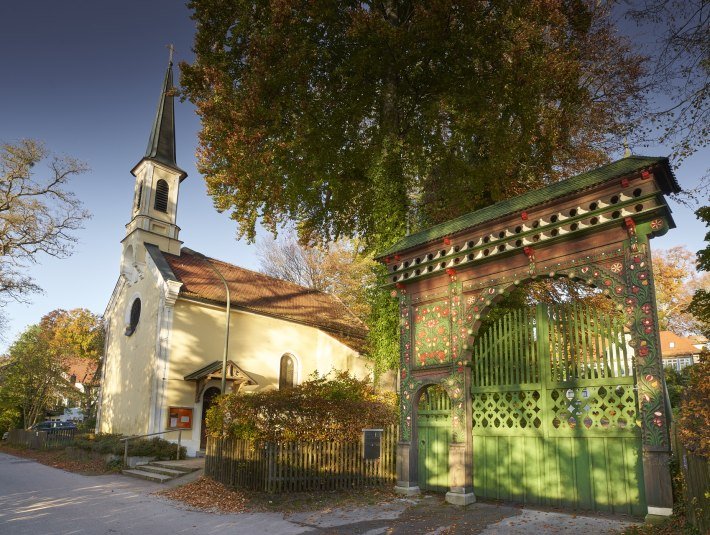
(434, 432)
(207, 400)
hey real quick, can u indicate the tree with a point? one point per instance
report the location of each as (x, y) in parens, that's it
(76, 338)
(36, 216)
(682, 66)
(700, 304)
(340, 268)
(32, 380)
(675, 280)
(369, 118)
(35, 376)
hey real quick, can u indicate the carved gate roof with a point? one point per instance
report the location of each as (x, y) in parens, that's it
(629, 165)
(627, 191)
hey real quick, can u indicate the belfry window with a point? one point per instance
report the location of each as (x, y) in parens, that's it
(287, 372)
(140, 196)
(161, 196)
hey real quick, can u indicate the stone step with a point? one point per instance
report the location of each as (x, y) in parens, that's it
(150, 476)
(175, 465)
(161, 470)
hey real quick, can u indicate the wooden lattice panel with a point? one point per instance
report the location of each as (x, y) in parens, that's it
(504, 412)
(607, 409)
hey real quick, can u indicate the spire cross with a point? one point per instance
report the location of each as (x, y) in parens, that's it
(171, 48)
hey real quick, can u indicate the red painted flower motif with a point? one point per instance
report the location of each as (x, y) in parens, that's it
(607, 282)
(646, 322)
(630, 301)
(648, 330)
(643, 351)
(646, 308)
(635, 289)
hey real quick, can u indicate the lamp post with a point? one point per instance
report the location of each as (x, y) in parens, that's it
(226, 329)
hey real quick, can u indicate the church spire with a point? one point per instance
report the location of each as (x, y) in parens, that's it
(161, 143)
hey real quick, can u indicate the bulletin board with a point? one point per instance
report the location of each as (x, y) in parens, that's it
(180, 418)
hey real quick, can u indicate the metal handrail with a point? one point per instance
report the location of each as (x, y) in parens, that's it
(126, 439)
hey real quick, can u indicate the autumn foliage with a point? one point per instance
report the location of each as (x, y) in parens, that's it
(320, 408)
(694, 420)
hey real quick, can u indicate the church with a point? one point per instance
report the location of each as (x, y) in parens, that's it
(167, 333)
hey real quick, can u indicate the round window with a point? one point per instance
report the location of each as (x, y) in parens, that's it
(134, 317)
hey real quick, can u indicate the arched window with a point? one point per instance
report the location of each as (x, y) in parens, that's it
(161, 196)
(135, 317)
(140, 196)
(288, 364)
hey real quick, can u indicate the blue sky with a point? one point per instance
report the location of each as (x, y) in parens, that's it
(84, 77)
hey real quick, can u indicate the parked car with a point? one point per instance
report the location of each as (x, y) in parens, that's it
(50, 426)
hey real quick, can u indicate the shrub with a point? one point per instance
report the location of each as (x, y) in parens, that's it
(111, 443)
(694, 420)
(318, 409)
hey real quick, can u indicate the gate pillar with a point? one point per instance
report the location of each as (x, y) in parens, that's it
(653, 410)
(461, 474)
(461, 452)
(407, 479)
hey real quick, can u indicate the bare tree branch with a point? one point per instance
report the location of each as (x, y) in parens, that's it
(36, 215)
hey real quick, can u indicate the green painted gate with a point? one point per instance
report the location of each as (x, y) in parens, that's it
(554, 411)
(433, 434)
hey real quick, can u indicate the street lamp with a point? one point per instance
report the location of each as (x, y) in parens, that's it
(226, 328)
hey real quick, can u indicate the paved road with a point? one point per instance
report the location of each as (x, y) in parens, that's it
(36, 500)
(40, 500)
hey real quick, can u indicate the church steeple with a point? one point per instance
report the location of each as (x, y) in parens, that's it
(158, 178)
(161, 143)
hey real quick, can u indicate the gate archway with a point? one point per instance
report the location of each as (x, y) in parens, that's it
(595, 228)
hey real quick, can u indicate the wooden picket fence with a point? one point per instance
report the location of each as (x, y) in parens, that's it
(300, 466)
(696, 473)
(41, 440)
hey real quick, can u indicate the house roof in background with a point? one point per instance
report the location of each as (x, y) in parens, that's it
(265, 295)
(681, 346)
(83, 369)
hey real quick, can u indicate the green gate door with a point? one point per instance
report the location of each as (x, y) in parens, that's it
(554, 411)
(433, 431)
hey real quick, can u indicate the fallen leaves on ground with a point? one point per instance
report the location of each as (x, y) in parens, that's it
(209, 495)
(71, 460)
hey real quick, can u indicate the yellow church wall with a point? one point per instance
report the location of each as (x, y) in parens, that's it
(256, 345)
(125, 396)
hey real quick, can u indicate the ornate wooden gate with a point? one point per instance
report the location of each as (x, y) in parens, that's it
(554, 411)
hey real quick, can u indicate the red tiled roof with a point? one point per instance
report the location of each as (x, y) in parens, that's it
(82, 369)
(262, 294)
(681, 345)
